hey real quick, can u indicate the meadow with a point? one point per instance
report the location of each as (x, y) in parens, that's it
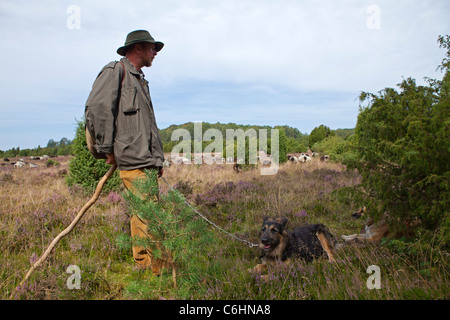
(37, 204)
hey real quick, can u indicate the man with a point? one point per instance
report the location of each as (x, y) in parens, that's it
(119, 115)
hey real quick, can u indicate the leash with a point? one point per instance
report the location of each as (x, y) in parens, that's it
(250, 244)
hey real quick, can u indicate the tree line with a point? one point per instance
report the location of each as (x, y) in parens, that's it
(62, 147)
(293, 141)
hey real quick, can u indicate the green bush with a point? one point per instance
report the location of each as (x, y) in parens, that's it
(86, 171)
(402, 138)
(178, 233)
(319, 133)
(52, 163)
(337, 148)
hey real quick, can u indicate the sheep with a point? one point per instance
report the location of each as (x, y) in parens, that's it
(292, 159)
(267, 163)
(19, 164)
(181, 160)
(304, 158)
(166, 163)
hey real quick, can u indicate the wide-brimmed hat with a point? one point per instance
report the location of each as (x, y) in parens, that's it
(136, 37)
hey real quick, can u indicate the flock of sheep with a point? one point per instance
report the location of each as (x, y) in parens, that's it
(21, 163)
(306, 157)
(262, 158)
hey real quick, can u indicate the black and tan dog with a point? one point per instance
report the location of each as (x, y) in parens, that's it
(306, 242)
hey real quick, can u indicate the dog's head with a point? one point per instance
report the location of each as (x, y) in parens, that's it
(272, 233)
(358, 214)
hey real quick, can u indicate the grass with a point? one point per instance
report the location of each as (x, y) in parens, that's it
(37, 205)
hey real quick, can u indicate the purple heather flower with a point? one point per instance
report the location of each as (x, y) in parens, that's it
(114, 197)
(302, 213)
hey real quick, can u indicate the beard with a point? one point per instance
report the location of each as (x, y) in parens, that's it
(148, 62)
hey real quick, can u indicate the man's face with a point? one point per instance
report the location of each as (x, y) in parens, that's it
(148, 53)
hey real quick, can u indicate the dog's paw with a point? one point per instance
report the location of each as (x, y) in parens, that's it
(265, 278)
(260, 267)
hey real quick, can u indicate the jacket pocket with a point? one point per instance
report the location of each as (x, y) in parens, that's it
(128, 123)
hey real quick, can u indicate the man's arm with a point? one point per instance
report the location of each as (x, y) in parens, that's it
(101, 107)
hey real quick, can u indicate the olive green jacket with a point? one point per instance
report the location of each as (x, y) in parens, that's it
(119, 115)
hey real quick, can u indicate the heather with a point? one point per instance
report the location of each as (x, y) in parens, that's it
(37, 204)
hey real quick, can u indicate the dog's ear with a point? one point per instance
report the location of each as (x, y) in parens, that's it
(282, 222)
(267, 219)
(359, 213)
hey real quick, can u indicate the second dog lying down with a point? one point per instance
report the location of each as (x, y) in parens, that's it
(373, 231)
(305, 242)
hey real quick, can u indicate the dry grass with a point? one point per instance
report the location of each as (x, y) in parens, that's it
(37, 205)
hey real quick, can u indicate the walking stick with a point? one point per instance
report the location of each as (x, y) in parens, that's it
(72, 225)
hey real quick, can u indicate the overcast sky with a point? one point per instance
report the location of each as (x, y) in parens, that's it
(286, 62)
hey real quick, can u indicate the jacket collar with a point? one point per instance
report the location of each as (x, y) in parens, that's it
(130, 66)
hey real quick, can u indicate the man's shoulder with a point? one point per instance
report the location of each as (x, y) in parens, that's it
(110, 69)
(111, 65)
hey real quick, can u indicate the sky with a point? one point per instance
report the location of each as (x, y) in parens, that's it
(260, 62)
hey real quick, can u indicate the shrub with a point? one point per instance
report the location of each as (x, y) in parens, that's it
(86, 171)
(402, 139)
(51, 163)
(319, 133)
(337, 148)
(179, 235)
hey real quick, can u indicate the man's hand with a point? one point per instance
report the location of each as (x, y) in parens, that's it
(110, 158)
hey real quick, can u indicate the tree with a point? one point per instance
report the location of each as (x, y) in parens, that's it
(282, 147)
(63, 142)
(318, 134)
(51, 143)
(338, 149)
(402, 138)
(24, 152)
(86, 171)
(179, 237)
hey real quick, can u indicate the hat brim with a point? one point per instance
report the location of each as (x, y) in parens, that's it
(123, 50)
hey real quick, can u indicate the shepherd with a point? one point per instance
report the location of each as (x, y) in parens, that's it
(120, 118)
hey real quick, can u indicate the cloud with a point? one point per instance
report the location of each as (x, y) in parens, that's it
(300, 45)
(301, 63)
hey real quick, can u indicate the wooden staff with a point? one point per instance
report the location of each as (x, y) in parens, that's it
(66, 231)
